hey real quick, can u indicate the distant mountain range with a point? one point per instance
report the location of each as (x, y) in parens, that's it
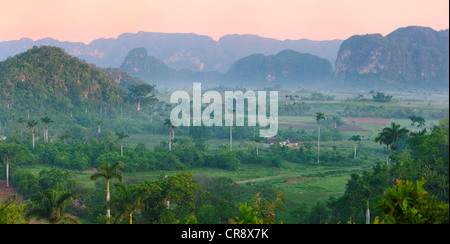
(288, 68)
(408, 58)
(179, 51)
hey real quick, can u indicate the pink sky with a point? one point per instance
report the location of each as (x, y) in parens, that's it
(86, 20)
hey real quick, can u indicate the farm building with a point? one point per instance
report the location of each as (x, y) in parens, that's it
(271, 141)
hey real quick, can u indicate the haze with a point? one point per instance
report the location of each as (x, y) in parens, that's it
(85, 20)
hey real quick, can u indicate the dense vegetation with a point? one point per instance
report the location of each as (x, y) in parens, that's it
(63, 146)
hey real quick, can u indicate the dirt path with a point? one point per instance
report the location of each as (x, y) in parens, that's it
(6, 192)
(253, 180)
(291, 180)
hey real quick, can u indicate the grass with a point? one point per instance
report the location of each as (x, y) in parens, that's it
(300, 183)
(321, 181)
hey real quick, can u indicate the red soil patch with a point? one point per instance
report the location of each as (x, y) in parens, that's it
(94, 170)
(371, 121)
(6, 192)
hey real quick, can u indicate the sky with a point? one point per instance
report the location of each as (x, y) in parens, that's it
(87, 20)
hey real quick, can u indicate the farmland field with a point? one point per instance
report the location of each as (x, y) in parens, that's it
(301, 181)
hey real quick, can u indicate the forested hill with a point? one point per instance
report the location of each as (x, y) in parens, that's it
(49, 78)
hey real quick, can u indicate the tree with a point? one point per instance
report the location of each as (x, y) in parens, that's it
(11, 213)
(46, 120)
(108, 171)
(232, 110)
(9, 152)
(127, 200)
(336, 120)
(261, 212)
(355, 138)
(383, 138)
(140, 93)
(319, 117)
(21, 121)
(32, 126)
(417, 119)
(171, 128)
(408, 203)
(50, 206)
(395, 133)
(99, 124)
(171, 192)
(390, 136)
(120, 136)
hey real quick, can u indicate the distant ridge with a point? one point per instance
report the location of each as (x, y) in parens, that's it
(410, 57)
(288, 68)
(178, 50)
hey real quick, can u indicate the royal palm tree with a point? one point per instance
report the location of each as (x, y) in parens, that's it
(232, 110)
(396, 133)
(46, 120)
(319, 117)
(335, 118)
(50, 206)
(21, 121)
(99, 124)
(126, 201)
(120, 136)
(108, 172)
(384, 138)
(389, 136)
(8, 152)
(356, 139)
(171, 128)
(31, 124)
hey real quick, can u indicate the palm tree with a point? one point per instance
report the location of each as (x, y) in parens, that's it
(50, 206)
(396, 133)
(128, 200)
(21, 121)
(417, 119)
(383, 138)
(389, 136)
(319, 117)
(171, 129)
(108, 171)
(120, 136)
(335, 118)
(232, 110)
(8, 152)
(99, 124)
(46, 120)
(356, 139)
(32, 126)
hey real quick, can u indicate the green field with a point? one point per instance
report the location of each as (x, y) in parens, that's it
(301, 182)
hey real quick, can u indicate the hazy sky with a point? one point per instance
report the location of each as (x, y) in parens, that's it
(86, 20)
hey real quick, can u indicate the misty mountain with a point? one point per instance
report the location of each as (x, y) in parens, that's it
(139, 63)
(245, 45)
(179, 51)
(288, 68)
(408, 57)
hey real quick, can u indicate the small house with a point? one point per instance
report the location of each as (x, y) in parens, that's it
(271, 141)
